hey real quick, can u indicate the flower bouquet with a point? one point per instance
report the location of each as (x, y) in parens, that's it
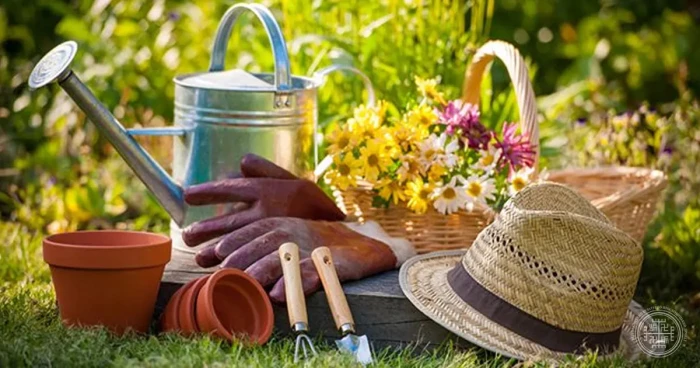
(434, 174)
(436, 155)
(437, 176)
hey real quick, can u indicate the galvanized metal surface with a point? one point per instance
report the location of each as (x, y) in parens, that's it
(357, 346)
(55, 65)
(224, 122)
(156, 179)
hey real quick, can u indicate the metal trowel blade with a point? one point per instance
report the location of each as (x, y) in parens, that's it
(358, 346)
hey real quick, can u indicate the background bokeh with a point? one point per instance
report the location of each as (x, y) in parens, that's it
(590, 61)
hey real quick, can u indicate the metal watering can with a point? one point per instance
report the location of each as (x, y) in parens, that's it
(219, 117)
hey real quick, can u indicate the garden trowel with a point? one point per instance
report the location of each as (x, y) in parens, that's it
(358, 346)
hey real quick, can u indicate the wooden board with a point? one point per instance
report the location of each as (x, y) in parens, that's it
(380, 309)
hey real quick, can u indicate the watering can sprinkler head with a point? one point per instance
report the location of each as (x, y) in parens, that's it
(55, 66)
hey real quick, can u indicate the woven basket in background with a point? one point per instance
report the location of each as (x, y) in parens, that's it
(628, 196)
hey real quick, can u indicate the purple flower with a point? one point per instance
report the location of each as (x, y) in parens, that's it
(581, 122)
(516, 149)
(668, 149)
(464, 117)
(173, 15)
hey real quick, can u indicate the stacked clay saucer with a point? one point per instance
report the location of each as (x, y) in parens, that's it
(227, 304)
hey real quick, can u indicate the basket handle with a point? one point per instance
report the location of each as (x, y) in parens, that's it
(517, 70)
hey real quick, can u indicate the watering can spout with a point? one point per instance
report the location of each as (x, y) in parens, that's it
(55, 66)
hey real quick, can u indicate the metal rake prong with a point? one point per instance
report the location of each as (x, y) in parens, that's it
(296, 349)
(306, 345)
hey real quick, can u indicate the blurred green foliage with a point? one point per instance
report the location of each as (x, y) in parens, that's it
(589, 60)
(644, 49)
(666, 140)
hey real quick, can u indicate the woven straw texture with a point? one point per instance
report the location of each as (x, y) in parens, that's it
(550, 253)
(549, 243)
(628, 196)
(424, 281)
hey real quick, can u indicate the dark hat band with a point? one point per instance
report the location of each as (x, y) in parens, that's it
(516, 320)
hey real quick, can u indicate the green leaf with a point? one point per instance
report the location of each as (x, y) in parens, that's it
(127, 28)
(379, 202)
(74, 28)
(3, 25)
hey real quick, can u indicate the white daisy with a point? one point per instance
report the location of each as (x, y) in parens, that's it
(410, 168)
(448, 149)
(488, 159)
(437, 149)
(478, 189)
(449, 198)
(429, 150)
(520, 179)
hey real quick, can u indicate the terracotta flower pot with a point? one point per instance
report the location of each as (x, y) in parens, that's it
(234, 305)
(107, 278)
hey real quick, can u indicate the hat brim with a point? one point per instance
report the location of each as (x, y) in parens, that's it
(423, 280)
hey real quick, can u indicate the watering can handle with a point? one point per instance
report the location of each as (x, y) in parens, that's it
(320, 77)
(283, 78)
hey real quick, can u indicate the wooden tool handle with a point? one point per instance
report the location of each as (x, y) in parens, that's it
(334, 292)
(293, 291)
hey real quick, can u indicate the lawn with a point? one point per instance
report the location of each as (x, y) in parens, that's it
(32, 335)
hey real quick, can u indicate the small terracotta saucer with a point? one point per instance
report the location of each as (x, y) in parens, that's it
(233, 305)
(188, 304)
(169, 321)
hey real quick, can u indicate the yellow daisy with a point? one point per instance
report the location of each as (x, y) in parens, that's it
(391, 188)
(374, 159)
(428, 88)
(345, 172)
(367, 119)
(377, 112)
(422, 116)
(341, 139)
(366, 128)
(436, 172)
(405, 136)
(418, 193)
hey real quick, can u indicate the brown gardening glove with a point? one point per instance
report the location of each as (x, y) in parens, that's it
(253, 248)
(262, 190)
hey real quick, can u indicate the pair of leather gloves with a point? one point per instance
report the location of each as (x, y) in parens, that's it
(277, 207)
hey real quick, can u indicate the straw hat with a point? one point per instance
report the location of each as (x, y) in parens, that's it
(550, 276)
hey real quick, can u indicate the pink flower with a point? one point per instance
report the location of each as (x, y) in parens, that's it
(464, 117)
(516, 149)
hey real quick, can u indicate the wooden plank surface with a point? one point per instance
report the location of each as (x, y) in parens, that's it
(380, 309)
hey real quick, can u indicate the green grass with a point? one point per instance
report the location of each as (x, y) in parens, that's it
(32, 335)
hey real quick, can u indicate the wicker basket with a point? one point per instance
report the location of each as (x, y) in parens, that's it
(627, 195)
